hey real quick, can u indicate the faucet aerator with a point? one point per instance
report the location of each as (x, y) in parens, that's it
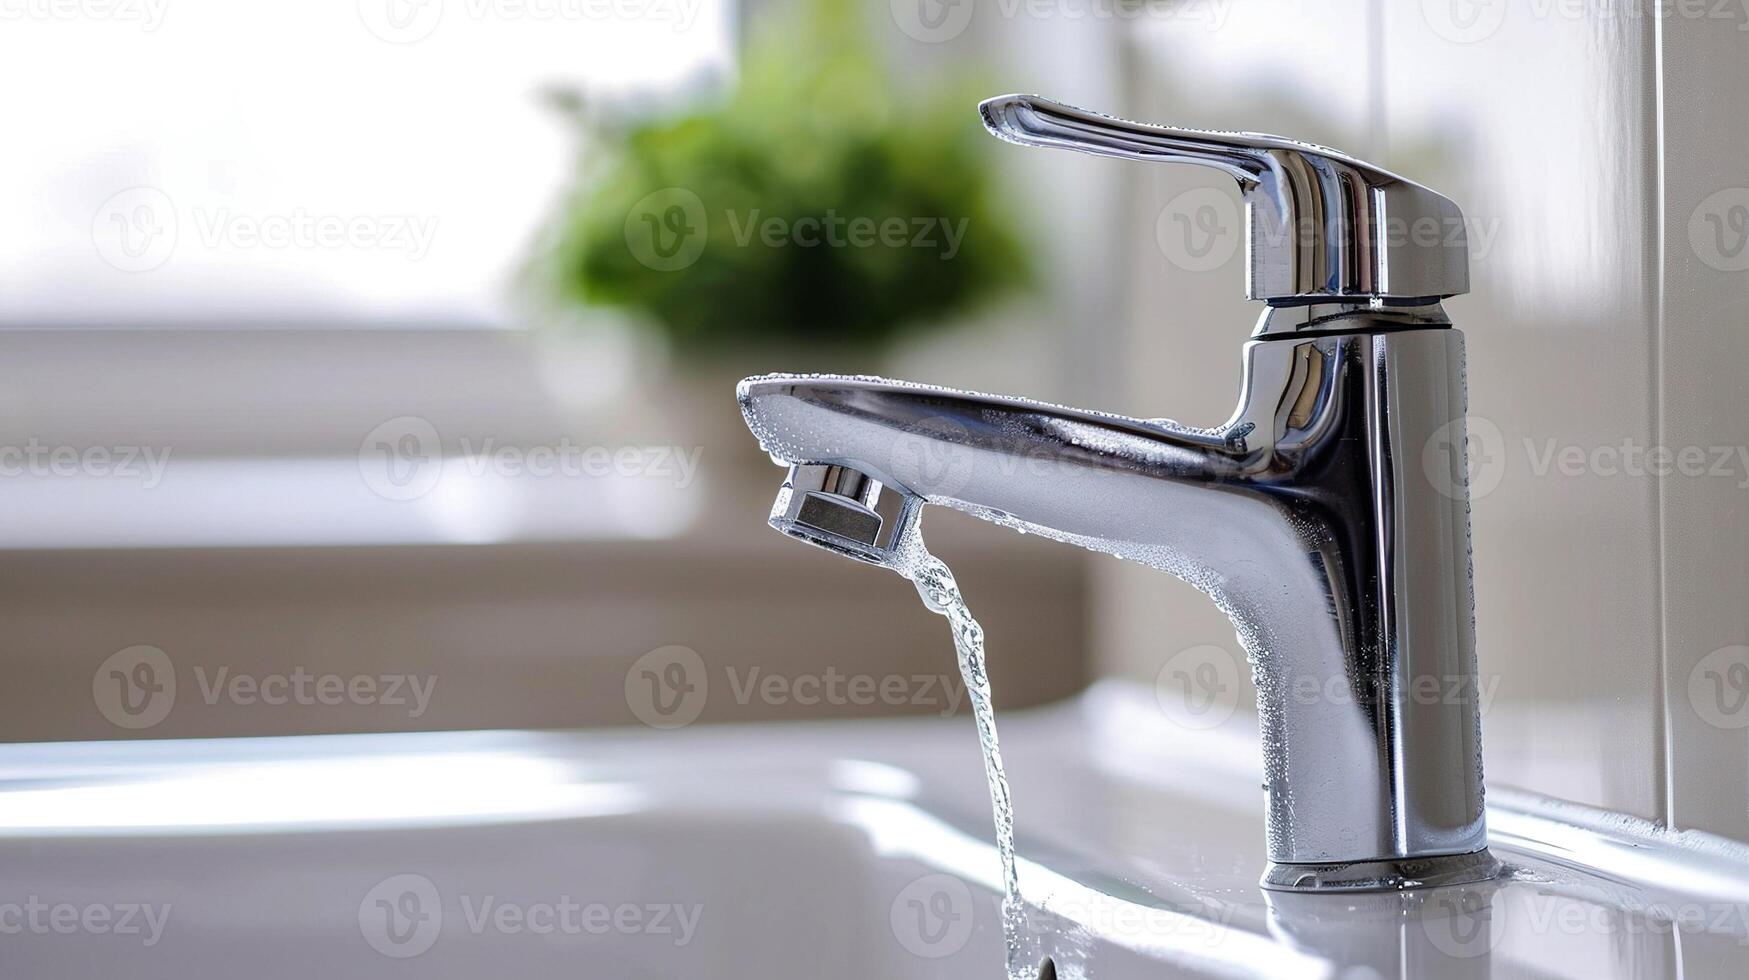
(837, 508)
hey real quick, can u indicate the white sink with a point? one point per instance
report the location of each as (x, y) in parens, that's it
(836, 850)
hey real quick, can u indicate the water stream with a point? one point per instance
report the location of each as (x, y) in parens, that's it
(941, 595)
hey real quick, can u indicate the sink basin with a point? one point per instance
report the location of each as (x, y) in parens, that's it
(843, 850)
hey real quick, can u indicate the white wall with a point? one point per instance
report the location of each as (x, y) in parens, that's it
(1703, 377)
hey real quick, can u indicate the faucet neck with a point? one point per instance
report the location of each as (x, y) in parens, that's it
(1378, 315)
(1359, 422)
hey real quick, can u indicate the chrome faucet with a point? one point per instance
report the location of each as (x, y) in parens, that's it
(1329, 518)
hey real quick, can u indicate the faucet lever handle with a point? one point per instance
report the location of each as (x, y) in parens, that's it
(1324, 226)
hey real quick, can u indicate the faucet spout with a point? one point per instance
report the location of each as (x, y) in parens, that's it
(1308, 517)
(1016, 462)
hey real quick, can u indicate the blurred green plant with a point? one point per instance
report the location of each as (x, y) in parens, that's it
(773, 216)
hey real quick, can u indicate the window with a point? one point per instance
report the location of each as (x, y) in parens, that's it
(202, 162)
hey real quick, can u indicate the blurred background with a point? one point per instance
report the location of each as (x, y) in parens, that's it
(397, 339)
(361, 341)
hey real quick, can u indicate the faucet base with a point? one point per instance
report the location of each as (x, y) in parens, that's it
(1388, 875)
